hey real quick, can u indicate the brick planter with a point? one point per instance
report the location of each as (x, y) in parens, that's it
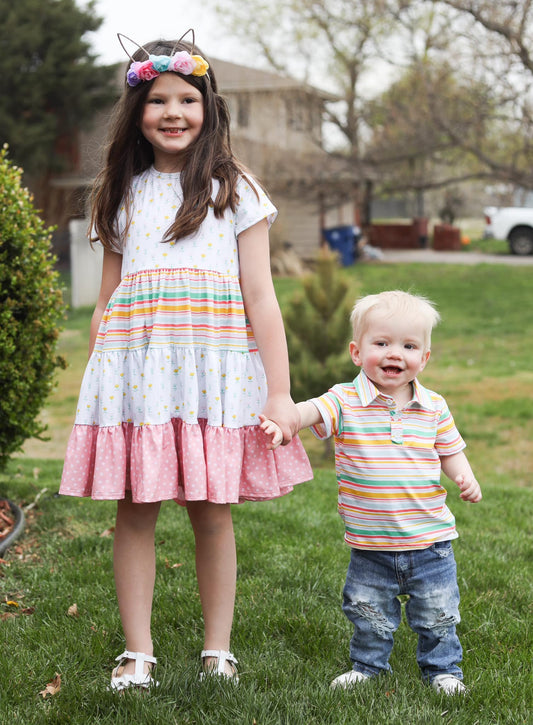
(394, 236)
(446, 237)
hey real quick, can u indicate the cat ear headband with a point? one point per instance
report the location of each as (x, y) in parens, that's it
(180, 62)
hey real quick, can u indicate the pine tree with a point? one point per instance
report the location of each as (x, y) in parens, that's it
(50, 83)
(318, 331)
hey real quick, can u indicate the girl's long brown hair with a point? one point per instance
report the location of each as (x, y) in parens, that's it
(209, 157)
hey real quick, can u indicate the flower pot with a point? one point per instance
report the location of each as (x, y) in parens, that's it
(14, 531)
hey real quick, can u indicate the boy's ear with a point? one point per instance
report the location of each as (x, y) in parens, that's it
(425, 358)
(354, 353)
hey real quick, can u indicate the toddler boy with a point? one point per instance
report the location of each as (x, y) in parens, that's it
(392, 438)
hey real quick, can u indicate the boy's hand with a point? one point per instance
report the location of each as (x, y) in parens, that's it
(469, 487)
(272, 430)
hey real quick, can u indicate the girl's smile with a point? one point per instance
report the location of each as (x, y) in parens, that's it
(172, 120)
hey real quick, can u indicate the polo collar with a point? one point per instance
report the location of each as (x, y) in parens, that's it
(368, 393)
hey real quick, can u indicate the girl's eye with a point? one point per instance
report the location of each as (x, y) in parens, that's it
(154, 100)
(190, 100)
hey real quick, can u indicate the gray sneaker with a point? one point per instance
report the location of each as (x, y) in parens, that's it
(349, 679)
(448, 685)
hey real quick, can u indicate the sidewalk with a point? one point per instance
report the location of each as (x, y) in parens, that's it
(431, 256)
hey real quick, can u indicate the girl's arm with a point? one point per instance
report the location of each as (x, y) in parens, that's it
(263, 311)
(309, 416)
(458, 469)
(111, 275)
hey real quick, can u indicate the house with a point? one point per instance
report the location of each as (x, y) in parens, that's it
(277, 126)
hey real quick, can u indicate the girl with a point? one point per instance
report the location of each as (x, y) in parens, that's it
(187, 347)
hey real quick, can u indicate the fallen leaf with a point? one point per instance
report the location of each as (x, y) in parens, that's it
(11, 603)
(73, 611)
(168, 565)
(52, 688)
(107, 532)
(7, 615)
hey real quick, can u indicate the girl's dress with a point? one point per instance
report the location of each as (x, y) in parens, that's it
(170, 399)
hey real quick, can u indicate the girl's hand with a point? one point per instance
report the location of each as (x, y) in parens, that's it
(272, 430)
(470, 488)
(281, 410)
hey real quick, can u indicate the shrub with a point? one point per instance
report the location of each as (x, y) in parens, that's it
(318, 331)
(31, 306)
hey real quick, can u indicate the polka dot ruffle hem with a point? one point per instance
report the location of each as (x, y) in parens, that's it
(180, 461)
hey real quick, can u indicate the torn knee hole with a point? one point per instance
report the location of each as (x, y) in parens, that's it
(443, 623)
(374, 617)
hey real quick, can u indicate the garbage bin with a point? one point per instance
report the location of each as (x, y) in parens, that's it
(343, 240)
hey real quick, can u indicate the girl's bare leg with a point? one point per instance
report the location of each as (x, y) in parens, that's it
(216, 570)
(134, 566)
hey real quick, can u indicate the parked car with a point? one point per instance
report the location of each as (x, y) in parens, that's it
(513, 223)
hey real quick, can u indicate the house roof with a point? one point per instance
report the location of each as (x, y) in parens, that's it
(235, 77)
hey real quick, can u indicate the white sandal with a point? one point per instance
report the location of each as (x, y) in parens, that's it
(140, 678)
(222, 656)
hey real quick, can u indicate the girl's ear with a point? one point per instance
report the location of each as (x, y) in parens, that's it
(354, 353)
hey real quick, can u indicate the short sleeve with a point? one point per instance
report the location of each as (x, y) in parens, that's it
(330, 406)
(448, 440)
(254, 205)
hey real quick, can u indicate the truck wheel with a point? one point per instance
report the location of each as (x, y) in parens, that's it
(521, 240)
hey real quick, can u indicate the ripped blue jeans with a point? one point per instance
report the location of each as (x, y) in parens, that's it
(429, 577)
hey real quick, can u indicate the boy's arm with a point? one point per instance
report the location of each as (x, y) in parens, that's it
(309, 416)
(458, 469)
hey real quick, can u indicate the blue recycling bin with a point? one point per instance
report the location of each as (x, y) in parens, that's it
(344, 241)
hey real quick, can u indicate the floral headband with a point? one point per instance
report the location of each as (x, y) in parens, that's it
(180, 62)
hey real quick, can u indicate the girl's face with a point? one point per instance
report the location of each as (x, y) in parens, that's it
(392, 352)
(172, 120)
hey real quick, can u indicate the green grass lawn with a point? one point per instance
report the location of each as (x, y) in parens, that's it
(290, 635)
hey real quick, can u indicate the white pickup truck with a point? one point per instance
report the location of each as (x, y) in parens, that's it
(514, 223)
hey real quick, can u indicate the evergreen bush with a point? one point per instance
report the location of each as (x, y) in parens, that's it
(318, 331)
(31, 306)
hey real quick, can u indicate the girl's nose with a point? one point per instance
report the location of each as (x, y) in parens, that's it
(172, 110)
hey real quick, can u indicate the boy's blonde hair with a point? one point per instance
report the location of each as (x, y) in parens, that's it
(395, 302)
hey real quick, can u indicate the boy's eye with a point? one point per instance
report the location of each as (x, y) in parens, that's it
(410, 346)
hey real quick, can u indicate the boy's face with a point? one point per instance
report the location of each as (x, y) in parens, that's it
(391, 351)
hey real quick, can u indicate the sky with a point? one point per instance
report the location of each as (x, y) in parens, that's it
(145, 20)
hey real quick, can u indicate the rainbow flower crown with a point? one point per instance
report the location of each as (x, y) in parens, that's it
(180, 62)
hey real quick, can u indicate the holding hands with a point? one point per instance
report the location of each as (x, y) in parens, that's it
(280, 408)
(272, 430)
